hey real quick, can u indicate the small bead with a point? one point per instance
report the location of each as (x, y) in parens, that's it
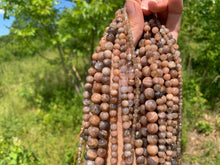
(152, 128)
(150, 105)
(152, 117)
(152, 150)
(96, 98)
(91, 154)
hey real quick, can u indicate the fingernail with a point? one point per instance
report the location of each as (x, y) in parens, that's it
(144, 5)
(153, 1)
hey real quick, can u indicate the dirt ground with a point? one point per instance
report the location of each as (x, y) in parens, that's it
(203, 149)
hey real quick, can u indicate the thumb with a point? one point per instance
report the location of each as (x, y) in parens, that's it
(145, 7)
(136, 19)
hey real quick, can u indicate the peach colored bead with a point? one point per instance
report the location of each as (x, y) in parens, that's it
(152, 150)
(152, 117)
(96, 98)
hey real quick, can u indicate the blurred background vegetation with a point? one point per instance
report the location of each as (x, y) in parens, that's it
(43, 64)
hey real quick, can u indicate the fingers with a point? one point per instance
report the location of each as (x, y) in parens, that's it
(145, 7)
(153, 6)
(136, 18)
(169, 11)
(173, 23)
(157, 6)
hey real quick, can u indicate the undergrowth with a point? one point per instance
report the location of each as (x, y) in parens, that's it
(39, 111)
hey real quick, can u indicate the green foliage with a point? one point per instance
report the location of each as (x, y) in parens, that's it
(84, 24)
(200, 46)
(38, 107)
(217, 125)
(12, 152)
(12, 49)
(204, 127)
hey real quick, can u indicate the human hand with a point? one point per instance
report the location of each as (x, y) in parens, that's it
(169, 13)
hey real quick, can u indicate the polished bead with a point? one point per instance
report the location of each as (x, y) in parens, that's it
(150, 105)
(95, 109)
(96, 98)
(102, 143)
(99, 161)
(152, 139)
(91, 154)
(101, 152)
(152, 128)
(152, 117)
(108, 46)
(104, 116)
(92, 142)
(148, 82)
(153, 160)
(152, 150)
(103, 125)
(93, 132)
(149, 93)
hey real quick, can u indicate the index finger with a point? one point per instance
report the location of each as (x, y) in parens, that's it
(175, 8)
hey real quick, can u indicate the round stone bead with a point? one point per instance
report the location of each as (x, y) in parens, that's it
(98, 77)
(110, 37)
(143, 120)
(106, 71)
(150, 105)
(93, 131)
(105, 89)
(88, 87)
(99, 161)
(153, 160)
(89, 79)
(104, 116)
(94, 120)
(108, 46)
(140, 160)
(148, 82)
(102, 143)
(107, 54)
(152, 139)
(97, 87)
(138, 143)
(95, 109)
(96, 98)
(92, 143)
(152, 150)
(113, 161)
(149, 93)
(104, 107)
(89, 162)
(86, 117)
(152, 128)
(103, 125)
(112, 30)
(139, 151)
(155, 30)
(103, 134)
(99, 66)
(91, 154)
(101, 152)
(107, 63)
(106, 80)
(152, 117)
(144, 62)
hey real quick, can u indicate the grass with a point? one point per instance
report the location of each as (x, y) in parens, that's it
(41, 116)
(39, 110)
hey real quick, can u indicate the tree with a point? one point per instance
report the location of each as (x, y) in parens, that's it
(70, 29)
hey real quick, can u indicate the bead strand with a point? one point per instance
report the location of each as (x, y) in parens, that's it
(141, 88)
